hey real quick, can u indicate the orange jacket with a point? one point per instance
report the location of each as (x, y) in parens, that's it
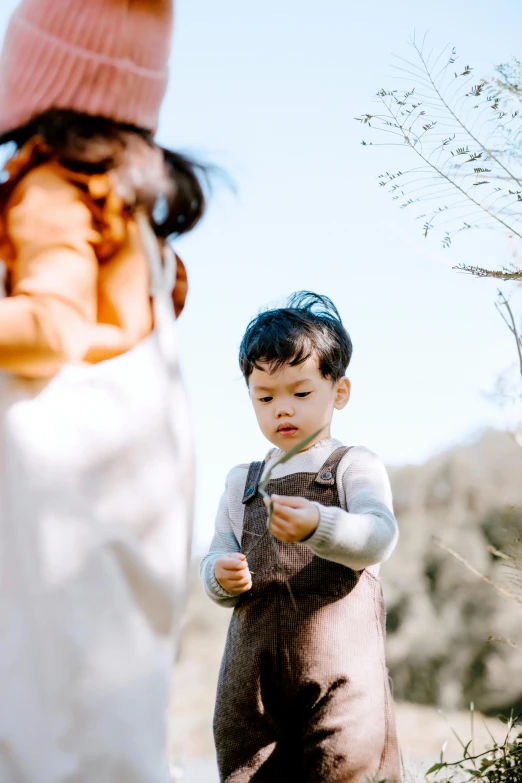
(77, 277)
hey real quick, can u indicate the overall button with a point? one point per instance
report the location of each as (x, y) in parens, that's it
(327, 476)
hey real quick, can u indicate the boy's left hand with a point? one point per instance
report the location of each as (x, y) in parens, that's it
(293, 519)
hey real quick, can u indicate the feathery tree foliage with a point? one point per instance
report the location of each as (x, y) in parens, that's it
(465, 138)
(463, 135)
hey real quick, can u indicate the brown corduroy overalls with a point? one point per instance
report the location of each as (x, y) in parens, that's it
(303, 693)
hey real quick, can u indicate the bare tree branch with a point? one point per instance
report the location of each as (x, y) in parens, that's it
(511, 325)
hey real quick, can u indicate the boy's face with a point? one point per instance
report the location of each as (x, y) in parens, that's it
(295, 402)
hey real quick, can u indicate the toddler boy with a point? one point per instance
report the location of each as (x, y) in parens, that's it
(303, 692)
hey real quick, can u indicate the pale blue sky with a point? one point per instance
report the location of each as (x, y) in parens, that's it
(269, 90)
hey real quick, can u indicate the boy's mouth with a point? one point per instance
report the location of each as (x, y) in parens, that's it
(286, 429)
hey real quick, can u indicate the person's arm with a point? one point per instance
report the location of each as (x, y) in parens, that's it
(225, 548)
(46, 321)
(367, 533)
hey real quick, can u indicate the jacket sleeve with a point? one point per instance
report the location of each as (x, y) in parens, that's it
(46, 320)
(223, 543)
(365, 534)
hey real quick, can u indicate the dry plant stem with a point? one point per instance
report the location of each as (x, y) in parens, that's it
(476, 773)
(472, 715)
(504, 641)
(473, 758)
(492, 738)
(511, 325)
(479, 271)
(473, 570)
(494, 551)
(464, 747)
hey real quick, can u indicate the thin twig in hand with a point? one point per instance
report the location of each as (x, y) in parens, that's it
(261, 537)
(264, 483)
(267, 530)
(262, 491)
(288, 455)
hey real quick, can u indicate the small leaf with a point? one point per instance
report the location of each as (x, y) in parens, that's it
(436, 767)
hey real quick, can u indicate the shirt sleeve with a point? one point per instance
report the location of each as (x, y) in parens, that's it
(367, 533)
(223, 543)
(47, 319)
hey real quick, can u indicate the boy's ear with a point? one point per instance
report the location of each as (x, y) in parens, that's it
(342, 393)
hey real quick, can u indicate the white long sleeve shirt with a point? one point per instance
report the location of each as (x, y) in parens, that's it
(361, 533)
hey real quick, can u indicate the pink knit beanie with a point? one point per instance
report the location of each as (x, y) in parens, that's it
(98, 57)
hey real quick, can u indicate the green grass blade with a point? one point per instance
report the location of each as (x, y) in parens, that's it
(256, 544)
(262, 487)
(288, 455)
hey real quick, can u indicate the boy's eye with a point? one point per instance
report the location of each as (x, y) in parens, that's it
(265, 399)
(302, 394)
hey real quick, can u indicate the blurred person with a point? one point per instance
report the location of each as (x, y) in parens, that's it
(303, 691)
(95, 456)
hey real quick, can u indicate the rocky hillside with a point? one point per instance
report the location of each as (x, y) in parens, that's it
(440, 614)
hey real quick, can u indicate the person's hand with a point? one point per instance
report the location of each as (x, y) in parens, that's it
(233, 574)
(293, 519)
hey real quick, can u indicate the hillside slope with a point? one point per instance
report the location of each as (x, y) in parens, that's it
(439, 614)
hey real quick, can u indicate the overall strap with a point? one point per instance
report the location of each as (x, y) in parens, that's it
(327, 474)
(252, 482)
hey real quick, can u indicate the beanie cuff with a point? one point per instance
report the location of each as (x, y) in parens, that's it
(58, 75)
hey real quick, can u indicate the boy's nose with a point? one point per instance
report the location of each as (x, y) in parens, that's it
(285, 409)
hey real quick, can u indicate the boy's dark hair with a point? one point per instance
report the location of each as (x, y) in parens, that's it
(309, 324)
(95, 145)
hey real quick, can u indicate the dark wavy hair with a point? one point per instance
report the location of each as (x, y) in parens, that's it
(308, 325)
(168, 183)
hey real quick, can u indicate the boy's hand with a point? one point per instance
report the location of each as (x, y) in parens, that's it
(233, 574)
(293, 519)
